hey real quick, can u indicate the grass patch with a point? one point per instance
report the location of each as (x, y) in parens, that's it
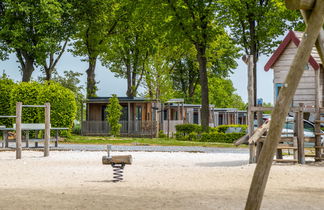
(75, 139)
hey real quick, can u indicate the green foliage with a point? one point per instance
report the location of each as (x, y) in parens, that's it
(268, 19)
(221, 93)
(62, 101)
(186, 129)
(162, 135)
(224, 128)
(193, 132)
(71, 81)
(6, 86)
(31, 28)
(63, 104)
(114, 112)
(220, 137)
(27, 93)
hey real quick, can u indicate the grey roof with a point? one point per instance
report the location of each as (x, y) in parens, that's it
(121, 99)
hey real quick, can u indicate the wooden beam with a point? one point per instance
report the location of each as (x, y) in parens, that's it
(47, 129)
(18, 129)
(281, 108)
(300, 4)
(118, 159)
(259, 132)
(300, 135)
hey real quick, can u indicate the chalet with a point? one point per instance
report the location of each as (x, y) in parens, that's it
(175, 112)
(280, 63)
(143, 117)
(138, 116)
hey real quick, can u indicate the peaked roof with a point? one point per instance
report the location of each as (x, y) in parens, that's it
(295, 37)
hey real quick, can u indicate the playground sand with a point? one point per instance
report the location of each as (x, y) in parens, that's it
(78, 180)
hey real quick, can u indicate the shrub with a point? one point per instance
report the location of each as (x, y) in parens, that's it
(63, 105)
(220, 137)
(27, 93)
(193, 136)
(114, 112)
(162, 135)
(6, 86)
(186, 129)
(224, 128)
(62, 100)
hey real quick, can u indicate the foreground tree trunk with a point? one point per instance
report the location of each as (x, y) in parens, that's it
(91, 80)
(202, 60)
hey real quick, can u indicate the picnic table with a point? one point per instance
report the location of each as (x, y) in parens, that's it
(27, 128)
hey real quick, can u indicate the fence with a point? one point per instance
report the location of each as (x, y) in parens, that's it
(135, 128)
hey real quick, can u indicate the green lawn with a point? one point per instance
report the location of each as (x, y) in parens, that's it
(140, 141)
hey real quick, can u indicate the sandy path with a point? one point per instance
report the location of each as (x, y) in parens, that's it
(78, 180)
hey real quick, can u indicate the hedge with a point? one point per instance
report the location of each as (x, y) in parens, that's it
(63, 104)
(27, 93)
(223, 128)
(6, 86)
(62, 100)
(220, 137)
(193, 132)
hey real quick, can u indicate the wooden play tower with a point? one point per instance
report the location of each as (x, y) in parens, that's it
(313, 14)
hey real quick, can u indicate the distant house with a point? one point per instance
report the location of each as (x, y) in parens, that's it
(143, 117)
(138, 116)
(175, 112)
(281, 61)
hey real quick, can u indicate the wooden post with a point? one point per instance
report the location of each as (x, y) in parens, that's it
(81, 123)
(300, 134)
(317, 117)
(249, 61)
(18, 129)
(260, 122)
(27, 138)
(169, 116)
(320, 49)
(47, 128)
(128, 117)
(281, 108)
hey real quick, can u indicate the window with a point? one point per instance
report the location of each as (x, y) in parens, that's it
(138, 112)
(278, 86)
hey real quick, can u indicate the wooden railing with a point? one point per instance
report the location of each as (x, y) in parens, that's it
(129, 128)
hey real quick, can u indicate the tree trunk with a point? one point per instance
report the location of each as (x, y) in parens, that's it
(91, 80)
(48, 73)
(26, 63)
(254, 52)
(202, 60)
(129, 81)
(28, 70)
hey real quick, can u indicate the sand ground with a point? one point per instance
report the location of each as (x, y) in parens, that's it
(78, 180)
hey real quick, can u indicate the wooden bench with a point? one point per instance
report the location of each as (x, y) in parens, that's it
(27, 127)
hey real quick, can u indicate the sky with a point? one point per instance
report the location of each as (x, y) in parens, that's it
(109, 84)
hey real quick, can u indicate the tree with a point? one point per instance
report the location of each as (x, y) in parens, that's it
(221, 93)
(114, 113)
(129, 49)
(6, 86)
(26, 28)
(71, 81)
(196, 22)
(255, 25)
(98, 20)
(62, 34)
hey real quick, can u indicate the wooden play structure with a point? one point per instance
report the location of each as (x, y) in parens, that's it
(118, 163)
(313, 14)
(19, 126)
